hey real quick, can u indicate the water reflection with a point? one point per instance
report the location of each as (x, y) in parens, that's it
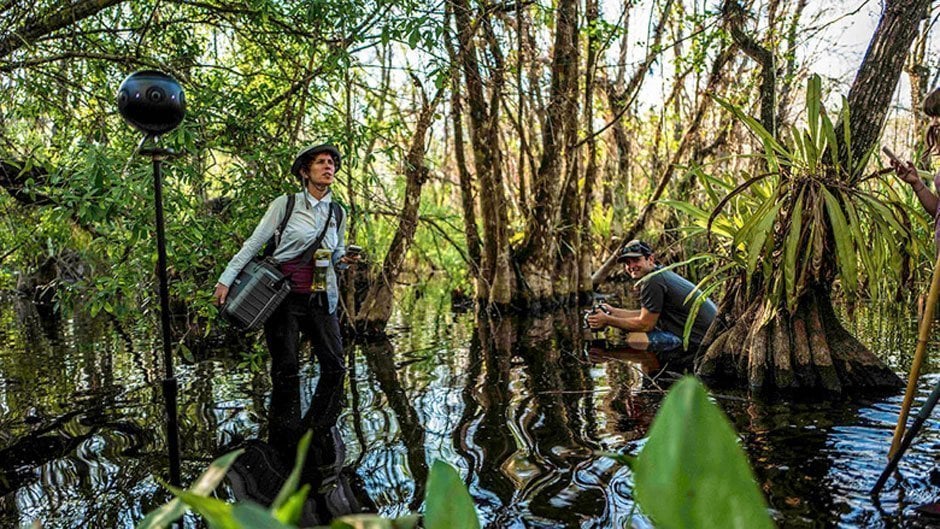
(259, 473)
(518, 406)
(379, 358)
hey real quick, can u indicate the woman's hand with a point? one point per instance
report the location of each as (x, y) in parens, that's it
(350, 258)
(906, 172)
(221, 292)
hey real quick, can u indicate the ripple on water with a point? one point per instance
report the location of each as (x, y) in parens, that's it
(522, 423)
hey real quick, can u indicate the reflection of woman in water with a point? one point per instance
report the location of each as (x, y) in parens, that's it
(261, 471)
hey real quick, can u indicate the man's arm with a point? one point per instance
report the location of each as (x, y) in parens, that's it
(625, 319)
(620, 313)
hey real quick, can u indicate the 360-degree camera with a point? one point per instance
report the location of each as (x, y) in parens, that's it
(151, 101)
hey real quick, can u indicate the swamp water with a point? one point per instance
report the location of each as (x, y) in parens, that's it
(516, 406)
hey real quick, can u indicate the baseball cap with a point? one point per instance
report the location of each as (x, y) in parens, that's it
(635, 248)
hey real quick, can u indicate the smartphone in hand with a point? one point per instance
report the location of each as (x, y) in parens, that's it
(892, 156)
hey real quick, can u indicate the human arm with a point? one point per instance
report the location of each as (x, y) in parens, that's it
(220, 294)
(252, 245)
(908, 173)
(642, 321)
(620, 313)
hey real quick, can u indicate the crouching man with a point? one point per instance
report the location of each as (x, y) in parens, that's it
(665, 303)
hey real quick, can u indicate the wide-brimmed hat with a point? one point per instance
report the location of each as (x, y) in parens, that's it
(307, 153)
(635, 248)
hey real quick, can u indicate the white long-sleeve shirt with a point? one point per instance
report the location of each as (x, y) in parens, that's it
(302, 229)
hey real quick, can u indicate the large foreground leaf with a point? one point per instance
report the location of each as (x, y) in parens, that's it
(207, 482)
(691, 473)
(448, 504)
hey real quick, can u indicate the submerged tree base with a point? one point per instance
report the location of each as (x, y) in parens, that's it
(808, 351)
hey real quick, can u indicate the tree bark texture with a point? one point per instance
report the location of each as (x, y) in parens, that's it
(568, 233)
(48, 22)
(919, 74)
(809, 350)
(537, 254)
(493, 286)
(377, 308)
(877, 78)
(585, 244)
(467, 200)
(733, 12)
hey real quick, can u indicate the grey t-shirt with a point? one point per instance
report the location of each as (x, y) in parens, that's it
(665, 293)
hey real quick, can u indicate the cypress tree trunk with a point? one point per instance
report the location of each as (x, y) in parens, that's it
(808, 350)
(538, 255)
(377, 306)
(877, 78)
(494, 285)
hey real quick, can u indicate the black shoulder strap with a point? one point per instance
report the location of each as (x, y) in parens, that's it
(308, 253)
(288, 210)
(275, 240)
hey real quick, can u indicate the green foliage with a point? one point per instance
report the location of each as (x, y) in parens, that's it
(691, 473)
(255, 358)
(260, 80)
(285, 509)
(448, 504)
(806, 214)
(205, 484)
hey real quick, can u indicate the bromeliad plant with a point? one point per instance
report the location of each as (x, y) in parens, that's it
(805, 221)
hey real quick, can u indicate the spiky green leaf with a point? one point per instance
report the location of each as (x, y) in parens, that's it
(755, 246)
(845, 249)
(790, 250)
(206, 483)
(290, 484)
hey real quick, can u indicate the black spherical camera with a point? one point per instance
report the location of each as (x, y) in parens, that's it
(152, 101)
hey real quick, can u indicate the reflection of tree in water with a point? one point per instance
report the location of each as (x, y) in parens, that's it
(484, 425)
(561, 391)
(259, 473)
(380, 359)
(525, 446)
(789, 446)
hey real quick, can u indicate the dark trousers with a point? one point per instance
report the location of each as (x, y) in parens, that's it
(307, 314)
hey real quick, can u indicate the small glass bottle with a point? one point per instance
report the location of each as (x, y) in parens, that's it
(321, 262)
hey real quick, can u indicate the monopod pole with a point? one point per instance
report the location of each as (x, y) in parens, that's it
(919, 354)
(169, 381)
(922, 417)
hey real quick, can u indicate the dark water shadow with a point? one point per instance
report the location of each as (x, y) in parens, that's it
(519, 406)
(260, 472)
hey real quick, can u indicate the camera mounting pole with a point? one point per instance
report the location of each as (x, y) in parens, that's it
(170, 387)
(153, 102)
